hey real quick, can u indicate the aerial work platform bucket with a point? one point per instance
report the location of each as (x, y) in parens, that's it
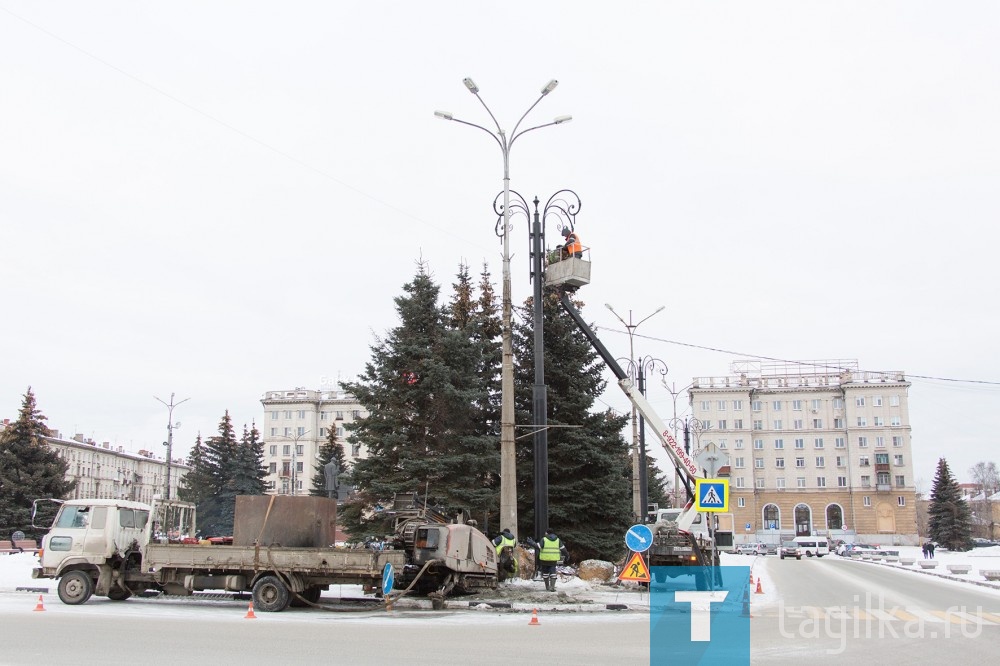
(571, 272)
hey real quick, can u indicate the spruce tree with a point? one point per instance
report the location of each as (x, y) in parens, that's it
(217, 510)
(249, 471)
(29, 470)
(331, 450)
(488, 333)
(421, 389)
(196, 486)
(589, 485)
(950, 515)
(657, 484)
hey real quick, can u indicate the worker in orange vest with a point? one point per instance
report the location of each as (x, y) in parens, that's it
(572, 246)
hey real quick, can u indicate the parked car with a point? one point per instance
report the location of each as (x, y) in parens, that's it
(979, 542)
(751, 549)
(789, 549)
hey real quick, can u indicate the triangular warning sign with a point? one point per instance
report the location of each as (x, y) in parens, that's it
(635, 570)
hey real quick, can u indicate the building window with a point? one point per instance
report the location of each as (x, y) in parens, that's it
(818, 443)
(755, 405)
(741, 502)
(322, 416)
(880, 442)
(300, 430)
(863, 461)
(739, 444)
(897, 441)
(779, 443)
(274, 432)
(800, 462)
(841, 461)
(900, 481)
(800, 482)
(895, 421)
(820, 461)
(866, 482)
(298, 449)
(897, 460)
(288, 432)
(274, 416)
(859, 401)
(867, 500)
(760, 483)
(900, 501)
(840, 443)
(737, 424)
(722, 425)
(863, 442)
(722, 444)
(340, 431)
(862, 421)
(339, 416)
(800, 443)
(781, 483)
(894, 401)
(355, 450)
(815, 403)
(302, 413)
(288, 413)
(721, 405)
(737, 405)
(841, 481)
(878, 422)
(322, 432)
(758, 463)
(758, 424)
(779, 463)
(777, 424)
(356, 414)
(838, 424)
(706, 405)
(286, 450)
(834, 517)
(758, 443)
(797, 405)
(273, 449)
(298, 468)
(776, 405)
(877, 400)
(821, 482)
(272, 468)
(740, 482)
(797, 424)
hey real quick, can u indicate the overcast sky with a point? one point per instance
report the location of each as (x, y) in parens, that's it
(218, 199)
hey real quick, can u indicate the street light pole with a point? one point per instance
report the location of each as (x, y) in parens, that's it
(508, 468)
(170, 436)
(630, 327)
(645, 364)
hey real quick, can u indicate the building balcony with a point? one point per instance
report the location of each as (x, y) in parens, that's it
(883, 488)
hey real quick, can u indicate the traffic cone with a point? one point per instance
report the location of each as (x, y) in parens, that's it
(39, 606)
(250, 615)
(751, 579)
(746, 602)
(534, 618)
(759, 590)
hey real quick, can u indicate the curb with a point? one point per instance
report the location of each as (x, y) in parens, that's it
(917, 569)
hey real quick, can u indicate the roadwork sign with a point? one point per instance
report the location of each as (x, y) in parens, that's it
(635, 570)
(711, 495)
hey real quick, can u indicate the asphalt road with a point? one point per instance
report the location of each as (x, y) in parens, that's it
(837, 611)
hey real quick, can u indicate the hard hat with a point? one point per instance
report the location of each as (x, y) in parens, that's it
(565, 231)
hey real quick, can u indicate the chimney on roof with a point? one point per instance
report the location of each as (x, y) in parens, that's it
(78, 437)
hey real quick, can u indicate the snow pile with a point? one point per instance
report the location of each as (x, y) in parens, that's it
(15, 572)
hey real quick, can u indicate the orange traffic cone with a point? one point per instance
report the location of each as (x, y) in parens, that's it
(39, 606)
(534, 618)
(759, 590)
(751, 579)
(250, 615)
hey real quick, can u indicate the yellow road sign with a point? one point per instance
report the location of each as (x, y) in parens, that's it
(636, 570)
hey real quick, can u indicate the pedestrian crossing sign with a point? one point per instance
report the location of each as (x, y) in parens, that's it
(635, 570)
(711, 495)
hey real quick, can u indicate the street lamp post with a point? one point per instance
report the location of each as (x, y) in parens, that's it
(645, 364)
(170, 436)
(637, 508)
(508, 469)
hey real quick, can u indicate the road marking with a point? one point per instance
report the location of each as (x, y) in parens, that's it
(990, 616)
(949, 616)
(903, 615)
(974, 619)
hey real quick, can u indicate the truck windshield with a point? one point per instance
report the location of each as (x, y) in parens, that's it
(74, 516)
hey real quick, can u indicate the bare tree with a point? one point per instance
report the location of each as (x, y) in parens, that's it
(987, 477)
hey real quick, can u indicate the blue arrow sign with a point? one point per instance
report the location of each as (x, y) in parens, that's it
(388, 578)
(639, 538)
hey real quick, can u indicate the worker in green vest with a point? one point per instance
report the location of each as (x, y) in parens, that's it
(550, 551)
(504, 543)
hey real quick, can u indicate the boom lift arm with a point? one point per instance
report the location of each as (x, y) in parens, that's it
(689, 470)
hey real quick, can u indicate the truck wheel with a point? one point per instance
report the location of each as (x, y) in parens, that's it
(75, 588)
(118, 594)
(270, 595)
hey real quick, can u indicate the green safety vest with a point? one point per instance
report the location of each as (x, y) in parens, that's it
(550, 550)
(504, 543)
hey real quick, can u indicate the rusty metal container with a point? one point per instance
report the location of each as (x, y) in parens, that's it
(295, 522)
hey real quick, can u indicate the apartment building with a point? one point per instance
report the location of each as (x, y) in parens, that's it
(296, 423)
(106, 471)
(817, 447)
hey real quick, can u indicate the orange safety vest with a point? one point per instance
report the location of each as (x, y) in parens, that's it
(573, 244)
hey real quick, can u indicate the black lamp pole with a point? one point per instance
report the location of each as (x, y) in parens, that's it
(646, 364)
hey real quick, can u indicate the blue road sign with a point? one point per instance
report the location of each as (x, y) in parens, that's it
(711, 495)
(639, 538)
(388, 578)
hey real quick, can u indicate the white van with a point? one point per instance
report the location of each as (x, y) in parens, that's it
(813, 545)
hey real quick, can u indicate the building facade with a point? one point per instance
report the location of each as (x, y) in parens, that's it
(105, 471)
(296, 423)
(814, 448)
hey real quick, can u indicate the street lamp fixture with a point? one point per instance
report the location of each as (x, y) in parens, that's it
(508, 470)
(638, 458)
(170, 436)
